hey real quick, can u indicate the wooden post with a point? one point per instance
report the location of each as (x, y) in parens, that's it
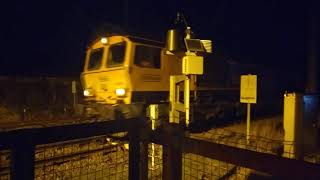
(134, 154)
(144, 161)
(172, 153)
(22, 161)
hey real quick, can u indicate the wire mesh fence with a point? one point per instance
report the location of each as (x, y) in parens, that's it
(4, 164)
(200, 167)
(239, 140)
(107, 157)
(93, 158)
(195, 166)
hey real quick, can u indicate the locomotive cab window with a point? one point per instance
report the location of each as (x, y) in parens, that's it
(95, 59)
(147, 57)
(116, 54)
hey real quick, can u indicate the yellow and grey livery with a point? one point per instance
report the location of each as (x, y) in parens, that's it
(126, 70)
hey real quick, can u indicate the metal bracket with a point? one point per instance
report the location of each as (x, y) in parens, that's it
(175, 105)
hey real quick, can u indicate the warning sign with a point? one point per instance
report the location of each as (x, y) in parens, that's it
(248, 89)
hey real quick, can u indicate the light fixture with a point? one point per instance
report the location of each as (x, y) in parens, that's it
(104, 40)
(120, 92)
(87, 92)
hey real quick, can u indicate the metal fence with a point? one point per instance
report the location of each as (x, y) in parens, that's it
(201, 167)
(224, 154)
(96, 150)
(92, 158)
(127, 149)
(239, 140)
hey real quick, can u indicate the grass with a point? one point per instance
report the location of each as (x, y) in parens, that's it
(7, 114)
(268, 127)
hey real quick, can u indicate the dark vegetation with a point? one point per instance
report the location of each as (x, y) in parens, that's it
(37, 97)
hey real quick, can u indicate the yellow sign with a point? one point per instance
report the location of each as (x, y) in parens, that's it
(74, 87)
(248, 89)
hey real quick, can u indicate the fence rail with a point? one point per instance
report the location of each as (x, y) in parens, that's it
(22, 142)
(92, 151)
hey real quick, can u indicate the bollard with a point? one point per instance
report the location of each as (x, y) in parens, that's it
(172, 152)
(293, 125)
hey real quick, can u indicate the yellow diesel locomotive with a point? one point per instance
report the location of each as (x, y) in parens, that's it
(125, 73)
(122, 70)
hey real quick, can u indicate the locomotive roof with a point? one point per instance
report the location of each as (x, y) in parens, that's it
(145, 41)
(137, 39)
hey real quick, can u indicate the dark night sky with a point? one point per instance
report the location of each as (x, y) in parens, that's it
(50, 37)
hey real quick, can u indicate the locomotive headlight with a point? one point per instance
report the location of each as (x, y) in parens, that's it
(87, 92)
(104, 40)
(120, 92)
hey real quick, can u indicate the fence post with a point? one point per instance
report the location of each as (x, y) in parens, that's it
(144, 161)
(134, 153)
(172, 153)
(22, 161)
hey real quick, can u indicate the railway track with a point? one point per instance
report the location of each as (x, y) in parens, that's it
(56, 156)
(15, 125)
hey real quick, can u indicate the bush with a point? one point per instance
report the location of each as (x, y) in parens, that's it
(7, 114)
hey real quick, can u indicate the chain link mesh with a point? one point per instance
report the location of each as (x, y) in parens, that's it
(199, 167)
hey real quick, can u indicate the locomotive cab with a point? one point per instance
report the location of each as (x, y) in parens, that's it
(126, 70)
